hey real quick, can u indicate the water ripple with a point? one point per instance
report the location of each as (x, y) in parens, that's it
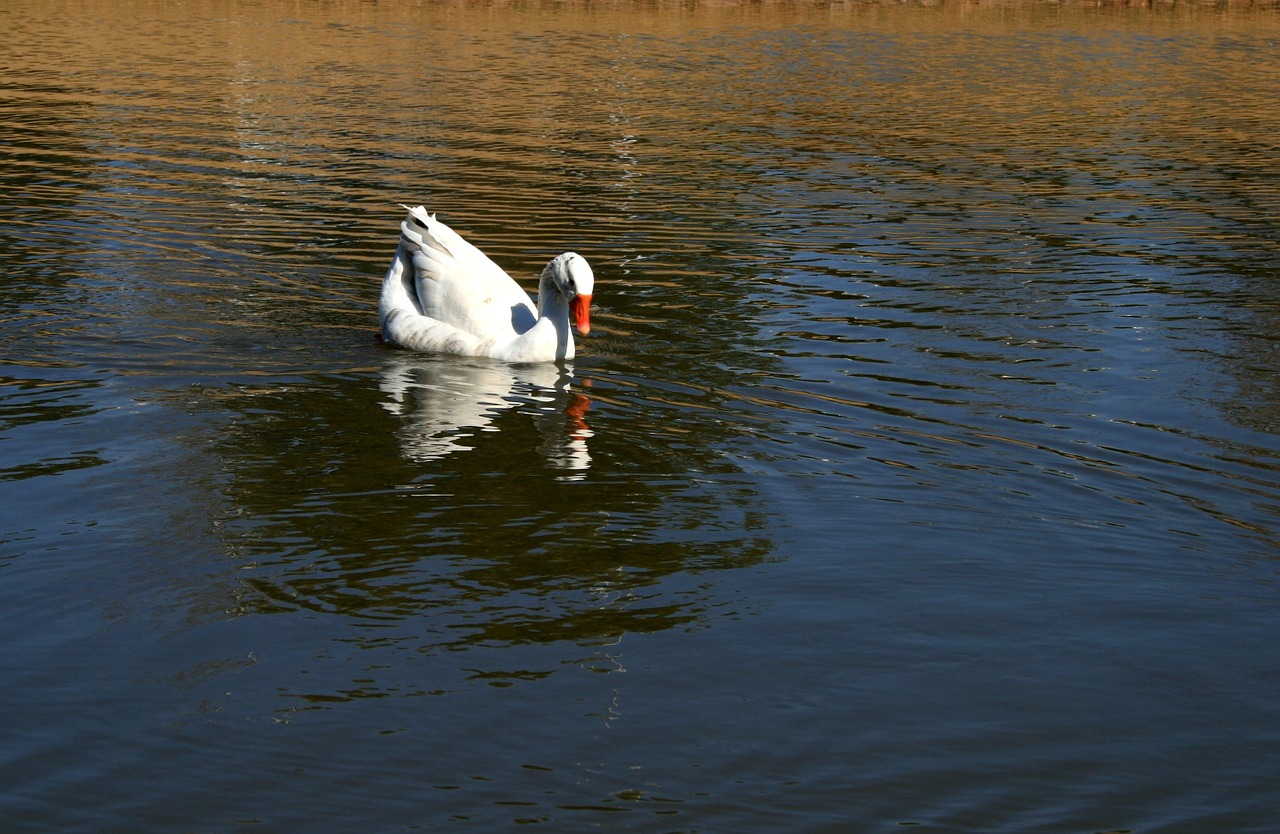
(927, 422)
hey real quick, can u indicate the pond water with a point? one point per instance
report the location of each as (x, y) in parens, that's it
(920, 470)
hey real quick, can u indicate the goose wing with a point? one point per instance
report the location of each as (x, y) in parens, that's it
(458, 285)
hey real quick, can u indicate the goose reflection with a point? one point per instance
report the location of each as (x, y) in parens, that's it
(444, 402)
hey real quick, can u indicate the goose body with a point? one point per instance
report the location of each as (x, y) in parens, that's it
(443, 295)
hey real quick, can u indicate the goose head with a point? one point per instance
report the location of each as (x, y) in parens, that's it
(571, 276)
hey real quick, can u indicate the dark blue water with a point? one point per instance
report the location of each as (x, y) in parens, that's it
(920, 469)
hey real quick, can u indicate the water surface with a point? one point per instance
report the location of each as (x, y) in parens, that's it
(920, 468)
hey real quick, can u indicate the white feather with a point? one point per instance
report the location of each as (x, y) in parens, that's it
(443, 295)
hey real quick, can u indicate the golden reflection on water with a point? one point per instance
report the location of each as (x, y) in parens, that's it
(336, 105)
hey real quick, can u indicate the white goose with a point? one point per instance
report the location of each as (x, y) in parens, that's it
(443, 295)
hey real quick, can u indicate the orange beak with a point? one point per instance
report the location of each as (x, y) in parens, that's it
(580, 306)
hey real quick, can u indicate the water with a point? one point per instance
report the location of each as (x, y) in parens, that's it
(920, 469)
